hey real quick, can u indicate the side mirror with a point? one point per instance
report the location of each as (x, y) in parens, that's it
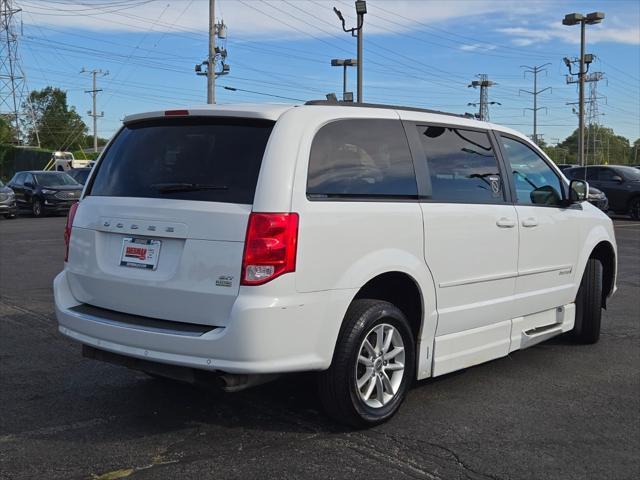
(29, 184)
(578, 191)
(617, 179)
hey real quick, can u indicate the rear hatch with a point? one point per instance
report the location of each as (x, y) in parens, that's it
(160, 231)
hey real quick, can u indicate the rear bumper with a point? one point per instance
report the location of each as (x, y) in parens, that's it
(265, 333)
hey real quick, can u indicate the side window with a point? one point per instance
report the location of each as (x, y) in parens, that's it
(462, 165)
(536, 183)
(607, 174)
(28, 178)
(361, 158)
(592, 173)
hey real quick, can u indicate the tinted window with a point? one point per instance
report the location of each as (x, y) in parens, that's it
(462, 166)
(50, 179)
(216, 160)
(607, 174)
(361, 158)
(536, 183)
(578, 173)
(80, 176)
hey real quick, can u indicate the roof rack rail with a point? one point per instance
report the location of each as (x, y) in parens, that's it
(378, 105)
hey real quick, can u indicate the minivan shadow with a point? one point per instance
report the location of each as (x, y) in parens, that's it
(288, 404)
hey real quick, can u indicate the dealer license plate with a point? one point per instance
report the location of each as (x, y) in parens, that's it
(140, 253)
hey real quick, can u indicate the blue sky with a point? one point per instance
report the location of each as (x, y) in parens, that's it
(421, 53)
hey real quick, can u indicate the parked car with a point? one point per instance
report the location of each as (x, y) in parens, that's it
(63, 161)
(43, 192)
(7, 202)
(564, 166)
(80, 175)
(620, 183)
(598, 198)
(374, 245)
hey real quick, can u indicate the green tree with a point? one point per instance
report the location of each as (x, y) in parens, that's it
(608, 147)
(7, 132)
(59, 126)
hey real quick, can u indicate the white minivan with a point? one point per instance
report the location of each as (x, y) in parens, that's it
(375, 245)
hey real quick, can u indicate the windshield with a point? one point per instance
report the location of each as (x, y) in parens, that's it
(207, 159)
(1, 184)
(54, 179)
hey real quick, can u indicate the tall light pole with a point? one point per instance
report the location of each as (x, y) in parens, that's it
(589, 19)
(344, 63)
(361, 10)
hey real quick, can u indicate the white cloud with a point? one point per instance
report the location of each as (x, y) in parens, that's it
(477, 46)
(523, 36)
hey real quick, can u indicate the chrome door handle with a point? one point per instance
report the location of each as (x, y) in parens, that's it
(505, 222)
(529, 222)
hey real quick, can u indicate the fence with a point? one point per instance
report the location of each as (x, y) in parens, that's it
(14, 159)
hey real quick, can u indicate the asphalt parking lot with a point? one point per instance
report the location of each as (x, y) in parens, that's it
(556, 410)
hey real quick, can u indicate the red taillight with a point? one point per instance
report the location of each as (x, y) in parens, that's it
(270, 247)
(175, 113)
(67, 229)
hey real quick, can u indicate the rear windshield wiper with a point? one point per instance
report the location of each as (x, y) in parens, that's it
(185, 187)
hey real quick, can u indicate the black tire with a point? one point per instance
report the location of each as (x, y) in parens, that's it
(634, 208)
(36, 207)
(589, 304)
(337, 385)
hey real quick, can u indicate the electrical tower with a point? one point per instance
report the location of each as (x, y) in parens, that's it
(593, 114)
(483, 107)
(535, 70)
(12, 77)
(93, 112)
(593, 122)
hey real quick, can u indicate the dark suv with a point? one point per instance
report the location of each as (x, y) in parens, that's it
(620, 183)
(45, 192)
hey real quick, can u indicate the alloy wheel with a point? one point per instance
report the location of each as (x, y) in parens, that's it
(380, 366)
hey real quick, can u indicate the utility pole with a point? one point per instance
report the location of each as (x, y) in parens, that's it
(535, 70)
(583, 20)
(216, 54)
(93, 112)
(211, 74)
(484, 83)
(361, 10)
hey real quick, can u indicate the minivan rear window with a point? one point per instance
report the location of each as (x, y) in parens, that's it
(198, 158)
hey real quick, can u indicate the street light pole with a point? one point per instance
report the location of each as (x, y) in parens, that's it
(360, 22)
(583, 20)
(344, 63)
(361, 10)
(581, 96)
